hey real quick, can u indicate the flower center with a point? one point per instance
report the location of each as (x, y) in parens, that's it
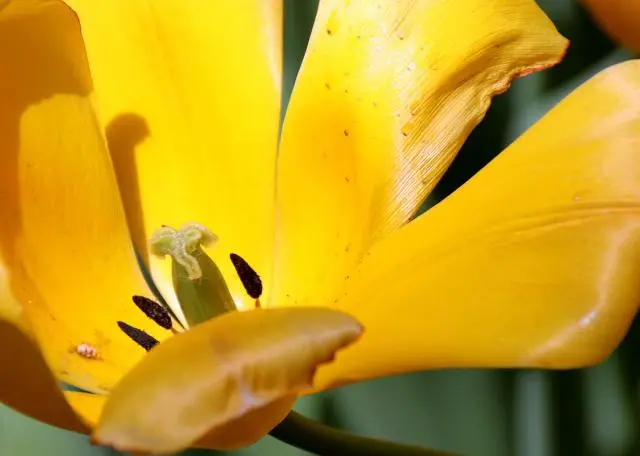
(199, 285)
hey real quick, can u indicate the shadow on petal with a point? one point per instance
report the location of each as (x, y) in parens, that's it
(124, 133)
(64, 242)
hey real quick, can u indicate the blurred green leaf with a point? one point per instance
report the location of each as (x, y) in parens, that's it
(22, 436)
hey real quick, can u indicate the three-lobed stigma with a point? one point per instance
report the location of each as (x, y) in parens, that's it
(182, 245)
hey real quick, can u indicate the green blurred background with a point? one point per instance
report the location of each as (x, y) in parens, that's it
(592, 411)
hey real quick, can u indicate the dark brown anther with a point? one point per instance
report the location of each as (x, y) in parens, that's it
(140, 337)
(155, 311)
(249, 278)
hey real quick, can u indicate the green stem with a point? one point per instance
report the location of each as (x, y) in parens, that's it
(322, 440)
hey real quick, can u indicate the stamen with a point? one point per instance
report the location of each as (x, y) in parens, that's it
(249, 278)
(155, 311)
(140, 337)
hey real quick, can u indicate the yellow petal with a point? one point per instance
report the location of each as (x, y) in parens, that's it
(26, 383)
(189, 95)
(249, 427)
(618, 18)
(87, 405)
(388, 92)
(535, 262)
(64, 242)
(234, 377)
(230, 435)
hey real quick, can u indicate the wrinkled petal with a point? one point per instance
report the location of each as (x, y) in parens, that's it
(387, 94)
(535, 262)
(64, 243)
(618, 18)
(230, 435)
(227, 381)
(189, 96)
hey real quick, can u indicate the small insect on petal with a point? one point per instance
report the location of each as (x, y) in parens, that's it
(87, 351)
(249, 278)
(155, 311)
(140, 337)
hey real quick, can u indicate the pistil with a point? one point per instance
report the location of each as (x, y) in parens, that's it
(199, 285)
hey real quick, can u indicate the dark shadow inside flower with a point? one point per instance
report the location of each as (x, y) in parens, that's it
(124, 133)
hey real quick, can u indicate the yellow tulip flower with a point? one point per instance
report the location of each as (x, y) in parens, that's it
(619, 19)
(150, 113)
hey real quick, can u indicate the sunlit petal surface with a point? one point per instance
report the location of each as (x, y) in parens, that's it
(388, 92)
(189, 96)
(619, 18)
(64, 245)
(226, 382)
(535, 262)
